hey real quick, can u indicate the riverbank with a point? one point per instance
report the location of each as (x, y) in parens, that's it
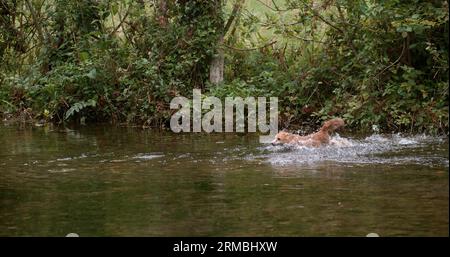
(379, 66)
(27, 119)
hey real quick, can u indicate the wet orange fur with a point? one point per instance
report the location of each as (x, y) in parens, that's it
(319, 138)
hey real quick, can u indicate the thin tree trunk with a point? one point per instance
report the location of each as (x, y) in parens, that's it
(218, 61)
(217, 65)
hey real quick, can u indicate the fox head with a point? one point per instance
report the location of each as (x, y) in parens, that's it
(282, 137)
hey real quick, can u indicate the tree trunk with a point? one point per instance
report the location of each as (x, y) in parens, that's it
(218, 61)
(217, 65)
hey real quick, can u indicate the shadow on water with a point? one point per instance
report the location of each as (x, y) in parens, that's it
(100, 180)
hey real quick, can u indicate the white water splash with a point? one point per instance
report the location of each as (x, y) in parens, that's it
(147, 156)
(375, 149)
(72, 158)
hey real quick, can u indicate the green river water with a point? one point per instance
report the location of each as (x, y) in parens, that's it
(108, 181)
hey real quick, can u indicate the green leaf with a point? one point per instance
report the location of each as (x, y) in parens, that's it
(84, 56)
(114, 8)
(92, 74)
(77, 107)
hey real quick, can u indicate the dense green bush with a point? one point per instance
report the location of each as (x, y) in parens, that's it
(370, 62)
(84, 70)
(377, 63)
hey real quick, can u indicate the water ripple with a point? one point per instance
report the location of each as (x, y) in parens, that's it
(375, 149)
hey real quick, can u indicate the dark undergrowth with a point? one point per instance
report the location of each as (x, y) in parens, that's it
(377, 65)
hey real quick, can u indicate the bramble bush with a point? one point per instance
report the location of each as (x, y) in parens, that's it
(372, 63)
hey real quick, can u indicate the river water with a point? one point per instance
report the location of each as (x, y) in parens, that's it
(108, 181)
